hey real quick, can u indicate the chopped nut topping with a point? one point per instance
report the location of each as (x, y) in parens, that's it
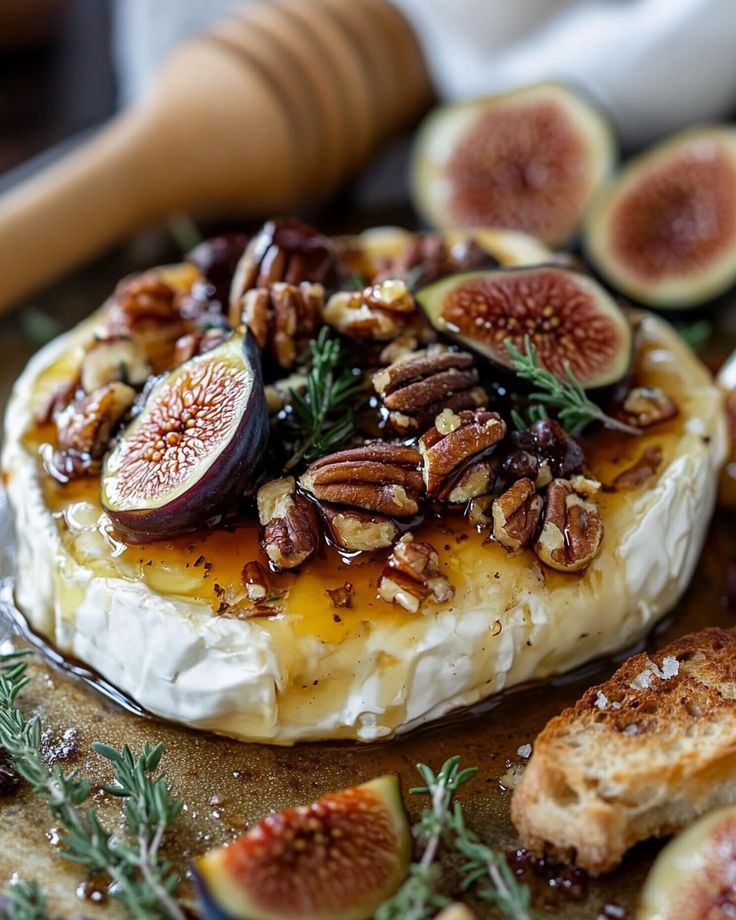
(516, 515)
(412, 575)
(113, 358)
(399, 348)
(647, 406)
(341, 597)
(381, 478)
(445, 456)
(380, 312)
(644, 469)
(572, 531)
(146, 309)
(480, 511)
(357, 531)
(290, 531)
(85, 429)
(415, 389)
(256, 581)
(474, 479)
(283, 318)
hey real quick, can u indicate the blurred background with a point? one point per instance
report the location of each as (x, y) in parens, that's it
(66, 66)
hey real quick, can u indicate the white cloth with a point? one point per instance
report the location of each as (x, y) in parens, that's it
(656, 65)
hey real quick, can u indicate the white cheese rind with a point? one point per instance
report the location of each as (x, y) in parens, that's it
(248, 678)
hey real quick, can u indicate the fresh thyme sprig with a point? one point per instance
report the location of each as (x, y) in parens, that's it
(141, 880)
(574, 409)
(24, 901)
(418, 897)
(326, 391)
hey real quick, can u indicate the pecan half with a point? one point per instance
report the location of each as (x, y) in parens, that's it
(284, 318)
(381, 478)
(543, 452)
(647, 406)
(380, 312)
(283, 250)
(642, 470)
(85, 429)
(113, 358)
(516, 515)
(412, 575)
(358, 531)
(290, 531)
(572, 532)
(427, 257)
(416, 388)
(455, 441)
(145, 308)
(199, 342)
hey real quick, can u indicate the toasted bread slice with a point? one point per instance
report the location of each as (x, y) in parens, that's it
(639, 756)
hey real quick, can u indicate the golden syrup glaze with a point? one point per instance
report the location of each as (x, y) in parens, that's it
(207, 566)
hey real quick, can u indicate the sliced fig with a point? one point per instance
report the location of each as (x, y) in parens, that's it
(193, 449)
(664, 230)
(337, 859)
(568, 316)
(526, 160)
(693, 877)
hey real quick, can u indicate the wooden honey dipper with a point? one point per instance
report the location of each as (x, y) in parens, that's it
(273, 107)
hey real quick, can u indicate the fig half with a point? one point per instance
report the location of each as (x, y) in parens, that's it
(570, 318)
(693, 876)
(337, 859)
(526, 160)
(664, 230)
(194, 447)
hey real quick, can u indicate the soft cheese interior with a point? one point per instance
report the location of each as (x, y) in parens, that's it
(151, 619)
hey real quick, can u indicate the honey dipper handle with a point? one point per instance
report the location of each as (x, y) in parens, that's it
(275, 107)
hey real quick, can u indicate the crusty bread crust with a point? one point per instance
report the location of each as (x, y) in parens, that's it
(639, 756)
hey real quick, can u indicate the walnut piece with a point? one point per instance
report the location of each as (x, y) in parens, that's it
(647, 406)
(84, 429)
(283, 318)
(412, 575)
(467, 438)
(113, 358)
(358, 531)
(290, 531)
(516, 515)
(416, 388)
(427, 258)
(381, 478)
(572, 532)
(256, 581)
(380, 312)
(342, 596)
(146, 309)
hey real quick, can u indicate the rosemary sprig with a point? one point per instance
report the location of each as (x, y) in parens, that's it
(141, 880)
(574, 409)
(418, 897)
(25, 901)
(326, 391)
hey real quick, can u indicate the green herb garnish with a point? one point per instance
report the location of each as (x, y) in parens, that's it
(443, 823)
(326, 391)
(574, 409)
(141, 879)
(25, 901)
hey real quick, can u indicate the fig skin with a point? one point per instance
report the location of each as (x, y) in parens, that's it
(201, 501)
(526, 160)
(510, 309)
(692, 878)
(662, 231)
(282, 856)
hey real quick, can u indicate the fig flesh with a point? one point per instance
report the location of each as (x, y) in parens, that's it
(568, 316)
(664, 230)
(693, 877)
(337, 859)
(525, 160)
(194, 447)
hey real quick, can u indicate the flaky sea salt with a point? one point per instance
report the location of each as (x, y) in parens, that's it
(670, 667)
(601, 700)
(524, 751)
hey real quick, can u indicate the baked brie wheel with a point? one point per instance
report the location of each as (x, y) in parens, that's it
(412, 555)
